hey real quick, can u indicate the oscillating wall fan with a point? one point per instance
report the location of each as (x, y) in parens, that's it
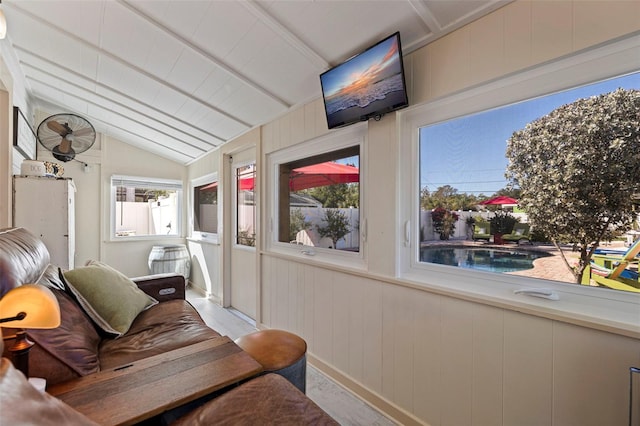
(66, 135)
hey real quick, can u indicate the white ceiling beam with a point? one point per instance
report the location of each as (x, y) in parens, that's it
(131, 66)
(188, 129)
(49, 103)
(423, 12)
(114, 112)
(211, 58)
(285, 33)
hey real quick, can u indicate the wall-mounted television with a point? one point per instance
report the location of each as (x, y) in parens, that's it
(369, 84)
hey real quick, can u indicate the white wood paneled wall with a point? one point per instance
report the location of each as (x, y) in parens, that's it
(448, 361)
(429, 358)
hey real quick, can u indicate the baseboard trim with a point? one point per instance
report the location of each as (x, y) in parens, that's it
(202, 292)
(379, 403)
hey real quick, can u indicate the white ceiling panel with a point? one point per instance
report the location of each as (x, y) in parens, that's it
(190, 71)
(162, 54)
(138, 87)
(232, 22)
(178, 78)
(216, 80)
(267, 65)
(113, 73)
(126, 35)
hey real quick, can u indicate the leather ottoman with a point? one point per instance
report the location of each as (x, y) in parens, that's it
(279, 352)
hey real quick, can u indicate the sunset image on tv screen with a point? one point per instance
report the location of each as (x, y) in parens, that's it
(369, 82)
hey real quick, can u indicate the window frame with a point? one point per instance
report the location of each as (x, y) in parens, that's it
(173, 184)
(209, 237)
(234, 200)
(601, 63)
(336, 140)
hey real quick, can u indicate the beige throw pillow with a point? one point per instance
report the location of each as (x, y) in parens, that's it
(111, 299)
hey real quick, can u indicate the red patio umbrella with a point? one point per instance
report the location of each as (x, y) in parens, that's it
(500, 199)
(322, 174)
(246, 184)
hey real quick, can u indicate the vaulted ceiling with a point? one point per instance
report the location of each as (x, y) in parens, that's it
(179, 78)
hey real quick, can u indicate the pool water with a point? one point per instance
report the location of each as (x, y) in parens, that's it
(486, 259)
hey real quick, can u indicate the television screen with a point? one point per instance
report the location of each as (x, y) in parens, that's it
(369, 84)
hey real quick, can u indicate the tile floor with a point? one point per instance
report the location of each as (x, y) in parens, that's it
(339, 403)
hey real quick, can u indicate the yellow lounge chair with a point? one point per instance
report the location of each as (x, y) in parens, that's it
(618, 264)
(616, 275)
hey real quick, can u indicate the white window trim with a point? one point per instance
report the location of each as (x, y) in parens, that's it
(152, 182)
(603, 308)
(354, 135)
(206, 237)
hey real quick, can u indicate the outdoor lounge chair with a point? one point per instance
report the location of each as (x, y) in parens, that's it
(519, 234)
(611, 271)
(481, 230)
(612, 266)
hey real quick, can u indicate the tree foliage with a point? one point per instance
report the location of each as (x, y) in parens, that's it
(578, 169)
(341, 195)
(297, 222)
(336, 225)
(449, 198)
(444, 222)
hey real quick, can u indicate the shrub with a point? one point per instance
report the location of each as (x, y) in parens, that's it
(444, 222)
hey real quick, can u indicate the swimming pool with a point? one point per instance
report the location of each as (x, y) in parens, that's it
(486, 259)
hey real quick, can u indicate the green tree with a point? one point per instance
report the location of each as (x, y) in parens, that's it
(337, 225)
(341, 195)
(578, 169)
(447, 197)
(297, 223)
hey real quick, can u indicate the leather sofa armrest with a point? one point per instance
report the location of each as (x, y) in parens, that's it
(162, 287)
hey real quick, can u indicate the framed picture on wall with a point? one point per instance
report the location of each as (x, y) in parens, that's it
(24, 138)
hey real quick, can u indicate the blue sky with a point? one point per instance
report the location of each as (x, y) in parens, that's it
(469, 153)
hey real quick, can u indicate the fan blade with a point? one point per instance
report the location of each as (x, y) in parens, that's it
(83, 131)
(58, 128)
(65, 145)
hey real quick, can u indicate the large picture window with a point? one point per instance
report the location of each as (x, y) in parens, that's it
(145, 207)
(497, 197)
(467, 201)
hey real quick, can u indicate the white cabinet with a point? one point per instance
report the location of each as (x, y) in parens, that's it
(45, 207)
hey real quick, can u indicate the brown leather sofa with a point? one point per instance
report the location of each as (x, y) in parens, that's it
(77, 347)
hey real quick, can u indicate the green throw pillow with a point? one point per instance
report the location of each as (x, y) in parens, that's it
(111, 299)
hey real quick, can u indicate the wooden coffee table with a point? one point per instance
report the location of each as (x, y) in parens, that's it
(145, 388)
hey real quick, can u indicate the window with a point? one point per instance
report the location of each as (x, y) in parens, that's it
(245, 205)
(465, 215)
(318, 196)
(145, 207)
(205, 208)
(324, 200)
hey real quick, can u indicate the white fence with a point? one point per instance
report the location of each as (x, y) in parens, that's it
(315, 215)
(462, 230)
(150, 218)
